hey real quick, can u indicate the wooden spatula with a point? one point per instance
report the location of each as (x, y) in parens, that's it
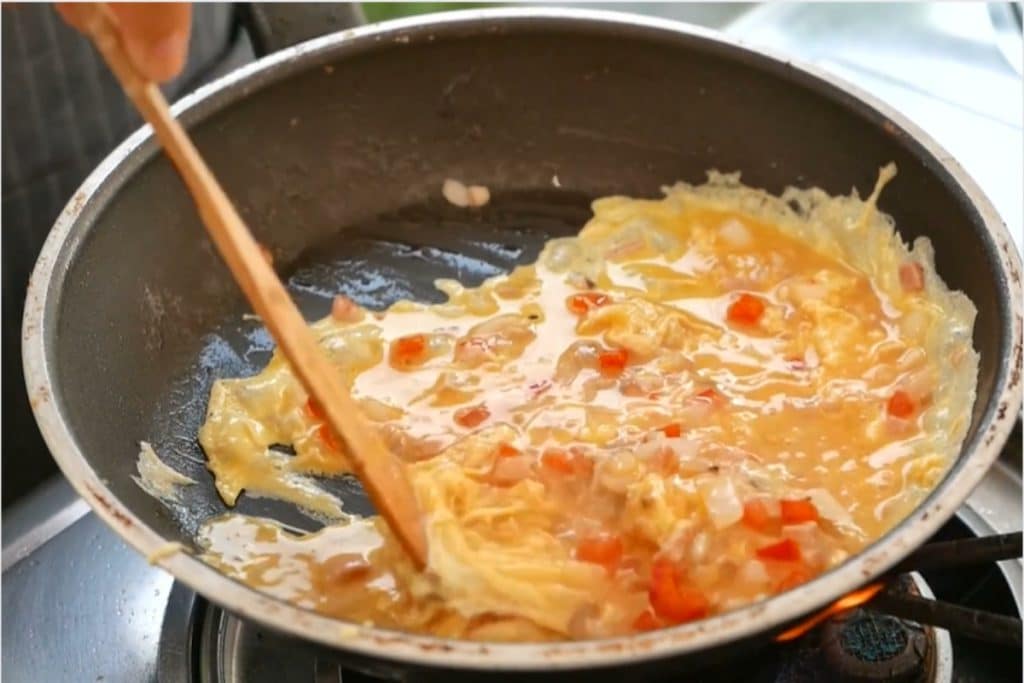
(378, 469)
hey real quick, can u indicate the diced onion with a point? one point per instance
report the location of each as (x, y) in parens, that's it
(685, 449)
(832, 510)
(618, 471)
(699, 547)
(561, 254)
(508, 471)
(753, 573)
(723, 505)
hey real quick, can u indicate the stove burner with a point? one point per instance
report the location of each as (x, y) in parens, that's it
(864, 647)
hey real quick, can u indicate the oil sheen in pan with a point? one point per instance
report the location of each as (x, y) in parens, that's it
(392, 257)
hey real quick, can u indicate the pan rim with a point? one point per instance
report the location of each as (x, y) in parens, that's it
(996, 421)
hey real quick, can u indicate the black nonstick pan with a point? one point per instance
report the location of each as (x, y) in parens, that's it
(335, 152)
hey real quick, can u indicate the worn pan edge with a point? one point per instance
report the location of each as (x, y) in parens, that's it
(43, 298)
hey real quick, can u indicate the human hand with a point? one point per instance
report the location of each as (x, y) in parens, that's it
(155, 35)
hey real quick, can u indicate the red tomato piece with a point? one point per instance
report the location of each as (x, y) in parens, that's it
(756, 515)
(673, 430)
(901, 405)
(506, 450)
(798, 511)
(786, 550)
(612, 363)
(326, 435)
(746, 309)
(567, 462)
(314, 409)
(793, 579)
(911, 276)
(605, 550)
(471, 417)
(672, 600)
(407, 351)
(580, 304)
(646, 621)
(557, 460)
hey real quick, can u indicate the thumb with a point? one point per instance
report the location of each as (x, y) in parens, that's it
(155, 35)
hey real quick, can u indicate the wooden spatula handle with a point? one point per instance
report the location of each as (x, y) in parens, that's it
(381, 473)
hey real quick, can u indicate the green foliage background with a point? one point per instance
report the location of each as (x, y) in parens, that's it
(381, 11)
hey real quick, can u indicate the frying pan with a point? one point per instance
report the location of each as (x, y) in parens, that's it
(335, 152)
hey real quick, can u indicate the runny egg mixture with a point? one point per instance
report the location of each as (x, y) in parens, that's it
(696, 403)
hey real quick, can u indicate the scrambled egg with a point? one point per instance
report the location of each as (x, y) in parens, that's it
(698, 402)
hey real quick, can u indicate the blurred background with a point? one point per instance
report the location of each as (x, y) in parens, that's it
(952, 68)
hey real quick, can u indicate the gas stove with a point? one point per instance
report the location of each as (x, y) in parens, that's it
(79, 605)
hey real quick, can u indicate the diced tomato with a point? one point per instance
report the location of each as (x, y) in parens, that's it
(911, 276)
(901, 405)
(324, 431)
(572, 462)
(793, 579)
(786, 550)
(326, 435)
(646, 621)
(557, 460)
(314, 409)
(506, 450)
(612, 363)
(604, 550)
(406, 351)
(671, 599)
(471, 417)
(756, 515)
(672, 430)
(745, 310)
(582, 303)
(798, 511)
